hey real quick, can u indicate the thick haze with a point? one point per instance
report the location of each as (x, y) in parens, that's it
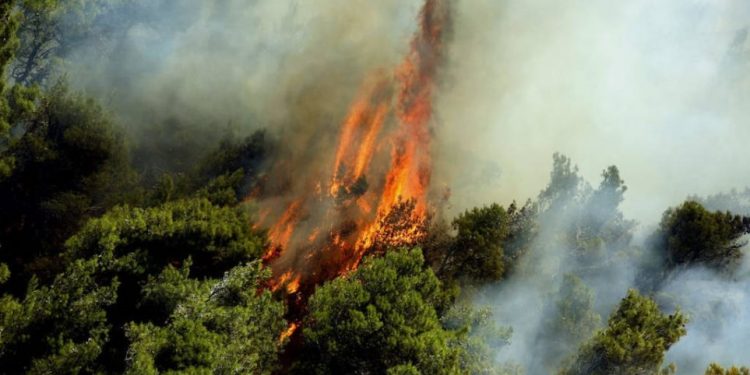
(658, 88)
(653, 87)
(720, 321)
(240, 60)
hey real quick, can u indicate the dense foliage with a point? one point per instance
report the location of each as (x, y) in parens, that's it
(715, 369)
(476, 253)
(571, 322)
(121, 269)
(8, 46)
(382, 317)
(70, 164)
(690, 234)
(634, 342)
(217, 327)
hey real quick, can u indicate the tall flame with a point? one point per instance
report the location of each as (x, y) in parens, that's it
(362, 126)
(373, 198)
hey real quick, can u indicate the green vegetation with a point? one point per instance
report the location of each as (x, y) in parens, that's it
(634, 342)
(381, 318)
(70, 164)
(121, 269)
(51, 29)
(715, 369)
(691, 235)
(571, 321)
(476, 253)
(223, 327)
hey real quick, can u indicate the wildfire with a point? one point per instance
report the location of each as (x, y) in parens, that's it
(359, 135)
(288, 332)
(282, 231)
(376, 194)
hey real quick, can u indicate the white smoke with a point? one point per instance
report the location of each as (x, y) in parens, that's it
(719, 311)
(657, 88)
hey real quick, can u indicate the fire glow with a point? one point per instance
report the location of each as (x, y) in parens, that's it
(376, 193)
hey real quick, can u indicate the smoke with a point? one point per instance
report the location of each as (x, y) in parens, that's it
(231, 59)
(719, 318)
(563, 246)
(654, 87)
(375, 192)
(177, 74)
(657, 88)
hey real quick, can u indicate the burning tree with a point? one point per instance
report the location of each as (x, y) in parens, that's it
(376, 193)
(402, 226)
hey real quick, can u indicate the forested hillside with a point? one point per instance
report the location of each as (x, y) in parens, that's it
(140, 241)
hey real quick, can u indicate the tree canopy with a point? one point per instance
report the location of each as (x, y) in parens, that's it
(475, 254)
(691, 235)
(140, 268)
(570, 322)
(715, 369)
(216, 327)
(634, 342)
(382, 318)
(70, 164)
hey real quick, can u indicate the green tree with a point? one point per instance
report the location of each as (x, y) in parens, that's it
(565, 185)
(606, 199)
(476, 254)
(383, 317)
(523, 223)
(477, 338)
(570, 321)
(576, 226)
(130, 265)
(4, 273)
(219, 326)
(591, 217)
(715, 369)
(70, 164)
(602, 217)
(38, 32)
(600, 234)
(216, 238)
(144, 241)
(60, 328)
(227, 174)
(51, 29)
(8, 45)
(691, 235)
(634, 342)
(215, 328)
(231, 155)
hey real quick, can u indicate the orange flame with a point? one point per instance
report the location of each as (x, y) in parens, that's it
(282, 231)
(409, 176)
(374, 199)
(288, 332)
(361, 126)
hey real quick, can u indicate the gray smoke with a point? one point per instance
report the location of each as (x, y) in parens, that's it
(180, 75)
(719, 318)
(658, 88)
